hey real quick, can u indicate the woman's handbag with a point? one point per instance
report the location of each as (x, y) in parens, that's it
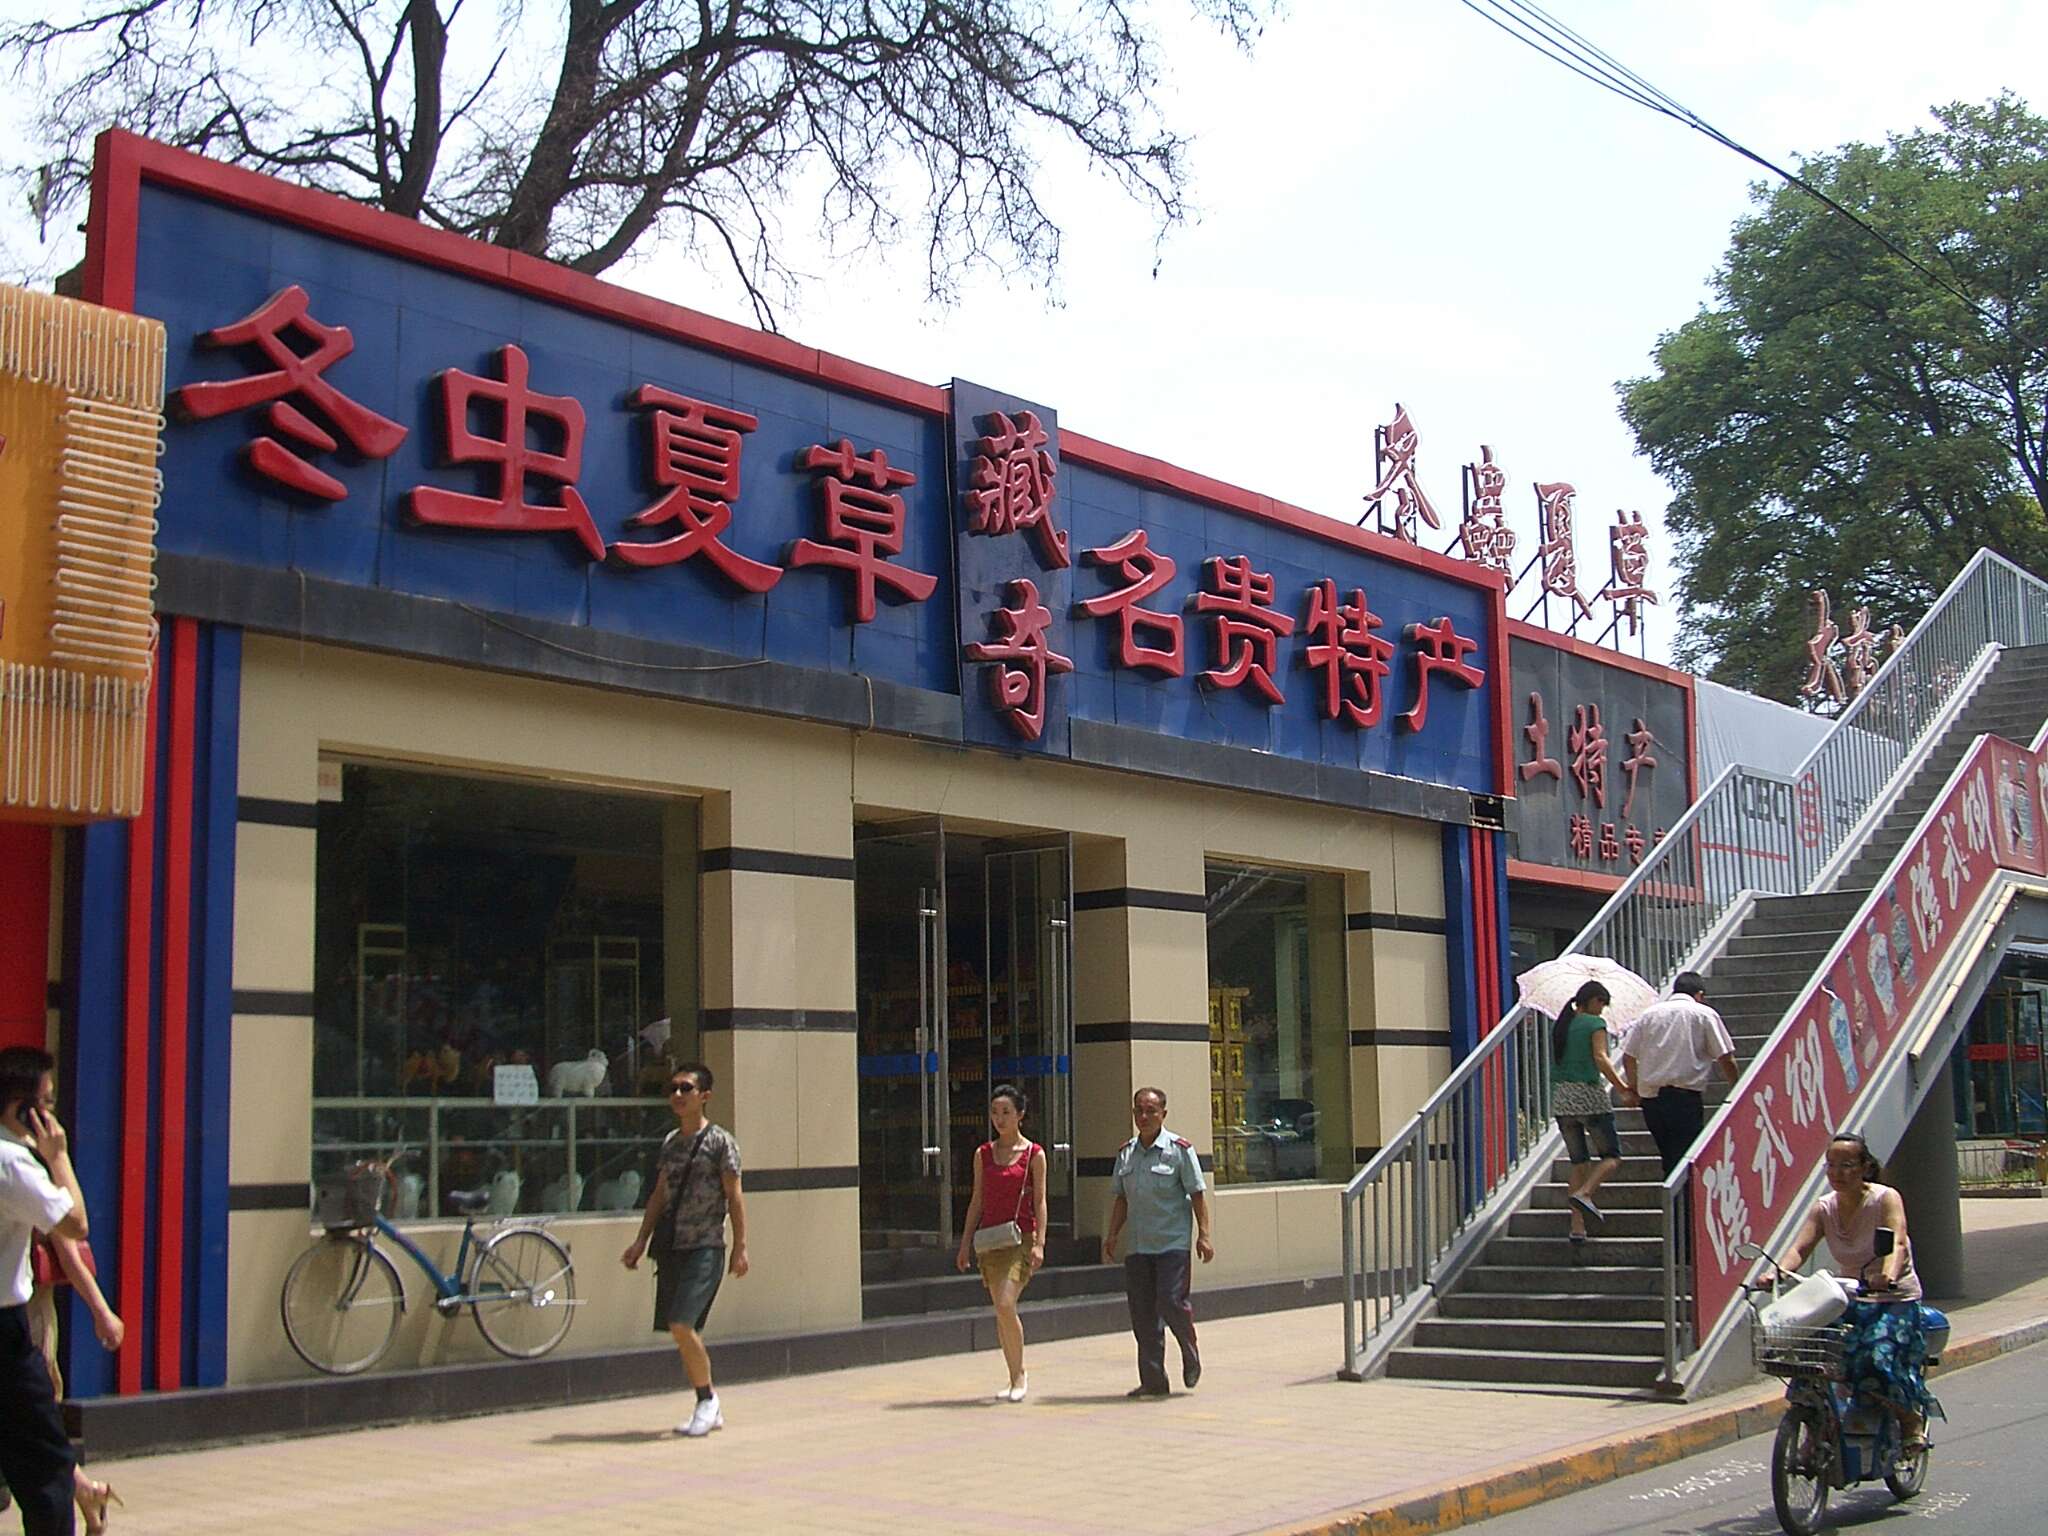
(1011, 1233)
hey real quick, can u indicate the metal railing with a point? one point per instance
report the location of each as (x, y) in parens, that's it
(1414, 1213)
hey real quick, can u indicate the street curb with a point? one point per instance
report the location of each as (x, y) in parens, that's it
(1446, 1506)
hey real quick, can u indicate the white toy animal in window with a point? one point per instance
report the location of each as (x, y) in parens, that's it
(585, 1077)
(505, 1193)
(619, 1194)
(563, 1194)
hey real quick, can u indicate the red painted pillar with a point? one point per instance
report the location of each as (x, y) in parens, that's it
(24, 932)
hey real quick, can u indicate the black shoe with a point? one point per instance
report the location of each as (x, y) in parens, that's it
(1149, 1392)
(1190, 1371)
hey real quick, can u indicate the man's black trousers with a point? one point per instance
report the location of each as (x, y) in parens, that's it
(1675, 1118)
(1156, 1286)
(35, 1455)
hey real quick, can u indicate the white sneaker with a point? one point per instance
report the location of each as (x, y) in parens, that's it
(706, 1417)
(1018, 1391)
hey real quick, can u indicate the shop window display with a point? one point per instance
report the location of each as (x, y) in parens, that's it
(468, 925)
(1279, 1057)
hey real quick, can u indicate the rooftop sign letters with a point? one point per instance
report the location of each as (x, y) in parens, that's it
(361, 402)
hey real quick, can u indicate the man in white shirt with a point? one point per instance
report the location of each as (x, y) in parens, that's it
(1671, 1054)
(35, 1453)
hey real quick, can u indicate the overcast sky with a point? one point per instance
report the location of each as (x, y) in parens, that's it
(1399, 203)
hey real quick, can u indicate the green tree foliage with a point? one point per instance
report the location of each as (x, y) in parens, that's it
(1837, 419)
(576, 131)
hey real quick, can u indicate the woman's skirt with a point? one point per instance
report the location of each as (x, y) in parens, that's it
(1886, 1354)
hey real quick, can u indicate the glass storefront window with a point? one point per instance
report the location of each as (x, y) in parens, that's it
(468, 924)
(1279, 1040)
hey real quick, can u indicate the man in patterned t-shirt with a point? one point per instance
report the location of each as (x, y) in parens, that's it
(699, 1172)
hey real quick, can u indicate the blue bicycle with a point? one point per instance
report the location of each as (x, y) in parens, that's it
(342, 1299)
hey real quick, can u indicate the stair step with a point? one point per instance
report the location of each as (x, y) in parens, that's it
(1524, 1369)
(1544, 1304)
(1618, 1221)
(1801, 944)
(1615, 1195)
(1551, 1253)
(1560, 1336)
(1589, 1279)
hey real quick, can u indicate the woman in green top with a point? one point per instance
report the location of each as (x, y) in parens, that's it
(1578, 1050)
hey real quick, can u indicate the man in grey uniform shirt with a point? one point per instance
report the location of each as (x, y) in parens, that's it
(1157, 1182)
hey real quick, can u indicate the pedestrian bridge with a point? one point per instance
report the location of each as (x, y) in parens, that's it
(1848, 917)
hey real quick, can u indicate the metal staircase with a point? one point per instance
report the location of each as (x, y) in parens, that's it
(1456, 1261)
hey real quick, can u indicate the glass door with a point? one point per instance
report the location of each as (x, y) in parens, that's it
(900, 973)
(1029, 999)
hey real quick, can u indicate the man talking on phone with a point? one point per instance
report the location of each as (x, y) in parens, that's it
(35, 1196)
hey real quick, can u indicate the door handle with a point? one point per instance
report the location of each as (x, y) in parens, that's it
(927, 1139)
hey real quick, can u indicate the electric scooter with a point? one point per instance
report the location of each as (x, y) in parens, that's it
(1831, 1436)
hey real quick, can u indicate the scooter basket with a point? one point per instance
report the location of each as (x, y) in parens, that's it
(1810, 1353)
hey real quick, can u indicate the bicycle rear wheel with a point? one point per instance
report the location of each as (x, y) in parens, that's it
(524, 1293)
(340, 1305)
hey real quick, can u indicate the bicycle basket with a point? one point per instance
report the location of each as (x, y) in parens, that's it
(1790, 1350)
(351, 1200)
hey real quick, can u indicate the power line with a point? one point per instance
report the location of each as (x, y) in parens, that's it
(1535, 28)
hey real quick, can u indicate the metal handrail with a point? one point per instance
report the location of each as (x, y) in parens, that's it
(1415, 1212)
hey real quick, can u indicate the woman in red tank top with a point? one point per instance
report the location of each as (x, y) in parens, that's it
(1009, 1187)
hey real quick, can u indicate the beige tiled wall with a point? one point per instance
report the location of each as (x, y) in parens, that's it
(786, 942)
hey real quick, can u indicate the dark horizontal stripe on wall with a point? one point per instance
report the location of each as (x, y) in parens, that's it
(772, 861)
(1363, 1155)
(1395, 922)
(1103, 1167)
(291, 1005)
(270, 1197)
(1131, 896)
(1102, 1034)
(276, 813)
(778, 1018)
(774, 1180)
(1440, 1037)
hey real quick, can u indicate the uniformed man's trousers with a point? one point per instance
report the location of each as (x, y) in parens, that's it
(35, 1454)
(1156, 1286)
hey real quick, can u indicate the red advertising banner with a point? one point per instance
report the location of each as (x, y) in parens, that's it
(1773, 1133)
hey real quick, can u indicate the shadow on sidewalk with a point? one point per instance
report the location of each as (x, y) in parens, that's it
(606, 1437)
(917, 1404)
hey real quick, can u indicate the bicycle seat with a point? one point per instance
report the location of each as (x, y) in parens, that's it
(469, 1201)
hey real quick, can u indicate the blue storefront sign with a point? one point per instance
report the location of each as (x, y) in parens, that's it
(390, 417)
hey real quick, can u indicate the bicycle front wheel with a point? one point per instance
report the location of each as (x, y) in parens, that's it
(523, 1293)
(340, 1305)
(1799, 1480)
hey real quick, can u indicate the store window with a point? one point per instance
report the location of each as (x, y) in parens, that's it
(499, 993)
(1279, 1040)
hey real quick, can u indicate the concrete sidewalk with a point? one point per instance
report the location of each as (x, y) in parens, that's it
(1271, 1442)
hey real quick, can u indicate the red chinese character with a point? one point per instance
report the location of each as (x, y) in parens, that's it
(1610, 850)
(1588, 742)
(514, 455)
(1484, 535)
(1438, 648)
(1582, 836)
(1628, 549)
(293, 372)
(1248, 626)
(1538, 732)
(1560, 559)
(1634, 838)
(1148, 572)
(1011, 484)
(1394, 459)
(1859, 650)
(1639, 743)
(697, 461)
(1354, 661)
(1823, 676)
(1021, 657)
(864, 520)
